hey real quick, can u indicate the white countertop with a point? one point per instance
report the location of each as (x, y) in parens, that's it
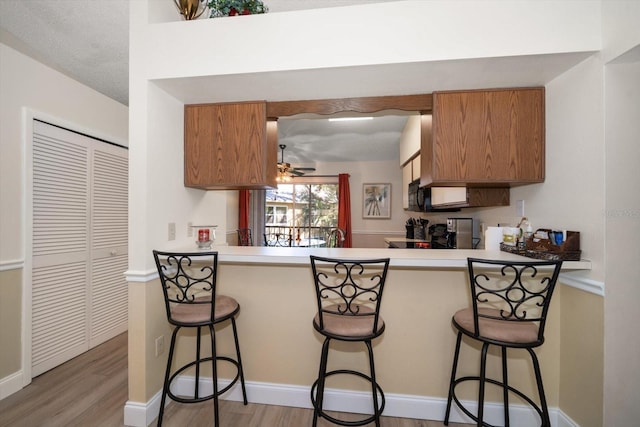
(425, 258)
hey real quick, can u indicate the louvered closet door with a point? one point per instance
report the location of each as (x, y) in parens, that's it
(109, 228)
(73, 207)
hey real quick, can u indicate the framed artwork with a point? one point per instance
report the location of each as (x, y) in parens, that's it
(376, 201)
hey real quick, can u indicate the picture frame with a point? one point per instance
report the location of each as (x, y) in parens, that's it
(376, 200)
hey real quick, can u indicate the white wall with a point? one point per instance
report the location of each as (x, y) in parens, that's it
(621, 42)
(620, 29)
(622, 348)
(379, 33)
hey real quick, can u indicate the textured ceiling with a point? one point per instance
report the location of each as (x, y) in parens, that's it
(87, 40)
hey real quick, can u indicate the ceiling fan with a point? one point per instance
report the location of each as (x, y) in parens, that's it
(285, 168)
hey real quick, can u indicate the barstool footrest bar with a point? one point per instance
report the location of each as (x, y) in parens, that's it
(497, 383)
(209, 396)
(323, 414)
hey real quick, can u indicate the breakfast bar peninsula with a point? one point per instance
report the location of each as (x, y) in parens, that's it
(280, 348)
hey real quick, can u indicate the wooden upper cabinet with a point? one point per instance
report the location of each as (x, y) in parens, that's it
(484, 137)
(229, 146)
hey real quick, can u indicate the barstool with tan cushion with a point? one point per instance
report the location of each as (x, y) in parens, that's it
(189, 286)
(348, 293)
(510, 302)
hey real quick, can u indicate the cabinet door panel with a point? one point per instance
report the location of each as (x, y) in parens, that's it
(239, 143)
(458, 120)
(199, 145)
(226, 146)
(493, 136)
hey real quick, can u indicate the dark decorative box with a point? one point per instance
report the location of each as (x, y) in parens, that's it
(545, 249)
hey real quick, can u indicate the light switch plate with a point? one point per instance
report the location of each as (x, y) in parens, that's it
(519, 207)
(172, 231)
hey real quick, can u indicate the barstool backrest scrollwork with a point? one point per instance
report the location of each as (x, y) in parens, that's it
(351, 288)
(188, 281)
(512, 291)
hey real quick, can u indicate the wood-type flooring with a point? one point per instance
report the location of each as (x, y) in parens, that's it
(91, 390)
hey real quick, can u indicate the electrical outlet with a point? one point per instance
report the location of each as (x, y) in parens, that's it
(189, 229)
(520, 208)
(159, 345)
(172, 231)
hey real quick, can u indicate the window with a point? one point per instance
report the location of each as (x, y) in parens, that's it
(276, 215)
(306, 210)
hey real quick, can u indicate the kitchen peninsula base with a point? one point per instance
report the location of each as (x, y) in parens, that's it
(413, 359)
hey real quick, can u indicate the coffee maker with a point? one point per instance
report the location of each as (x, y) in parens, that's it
(460, 233)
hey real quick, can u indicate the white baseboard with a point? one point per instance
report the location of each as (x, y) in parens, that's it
(563, 420)
(11, 384)
(397, 405)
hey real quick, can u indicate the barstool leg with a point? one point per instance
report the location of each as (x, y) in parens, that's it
(505, 387)
(483, 375)
(167, 374)
(214, 375)
(374, 388)
(546, 422)
(453, 378)
(241, 370)
(321, 379)
(196, 391)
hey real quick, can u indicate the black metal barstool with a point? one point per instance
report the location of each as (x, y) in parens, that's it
(278, 239)
(348, 293)
(244, 237)
(510, 302)
(335, 239)
(189, 286)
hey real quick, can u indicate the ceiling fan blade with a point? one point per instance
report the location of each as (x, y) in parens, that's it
(296, 172)
(306, 169)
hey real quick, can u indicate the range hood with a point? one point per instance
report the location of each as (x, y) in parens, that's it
(427, 205)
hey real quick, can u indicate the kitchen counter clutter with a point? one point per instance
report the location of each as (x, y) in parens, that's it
(546, 244)
(431, 259)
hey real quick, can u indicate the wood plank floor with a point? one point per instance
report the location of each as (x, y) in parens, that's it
(91, 390)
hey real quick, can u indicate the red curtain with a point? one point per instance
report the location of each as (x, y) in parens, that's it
(244, 198)
(344, 207)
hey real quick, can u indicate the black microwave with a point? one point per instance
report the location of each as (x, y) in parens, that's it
(414, 191)
(420, 199)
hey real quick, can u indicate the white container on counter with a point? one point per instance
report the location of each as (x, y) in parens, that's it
(492, 238)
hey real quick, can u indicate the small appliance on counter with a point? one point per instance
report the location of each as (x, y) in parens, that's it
(460, 233)
(438, 236)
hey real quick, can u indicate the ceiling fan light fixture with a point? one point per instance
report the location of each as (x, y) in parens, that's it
(282, 176)
(285, 171)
